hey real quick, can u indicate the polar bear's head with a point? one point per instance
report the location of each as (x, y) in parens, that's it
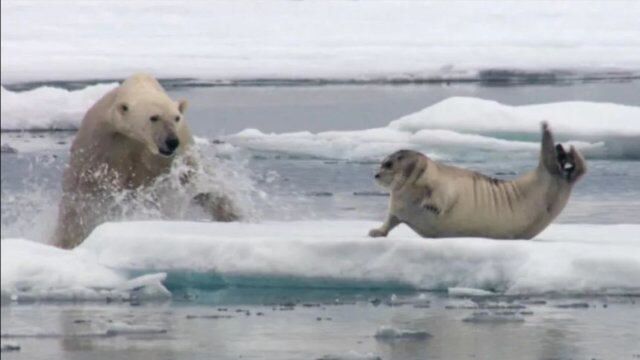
(155, 124)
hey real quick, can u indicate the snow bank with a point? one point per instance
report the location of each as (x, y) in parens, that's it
(468, 126)
(580, 259)
(48, 108)
(355, 40)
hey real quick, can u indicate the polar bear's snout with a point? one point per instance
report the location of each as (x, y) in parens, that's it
(171, 143)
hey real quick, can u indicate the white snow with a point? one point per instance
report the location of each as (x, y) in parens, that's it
(43, 40)
(576, 258)
(48, 108)
(468, 126)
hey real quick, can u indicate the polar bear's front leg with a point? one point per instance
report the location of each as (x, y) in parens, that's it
(221, 207)
(388, 225)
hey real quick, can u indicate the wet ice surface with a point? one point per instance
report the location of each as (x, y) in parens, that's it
(237, 323)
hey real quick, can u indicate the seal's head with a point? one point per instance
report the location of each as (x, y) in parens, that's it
(400, 167)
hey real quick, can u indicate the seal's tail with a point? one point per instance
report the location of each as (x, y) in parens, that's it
(568, 165)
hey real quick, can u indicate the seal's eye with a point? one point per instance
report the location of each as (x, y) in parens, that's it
(387, 164)
(177, 118)
(154, 118)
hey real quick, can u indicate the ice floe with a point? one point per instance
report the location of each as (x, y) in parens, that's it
(48, 108)
(386, 333)
(33, 271)
(462, 127)
(493, 317)
(468, 292)
(594, 259)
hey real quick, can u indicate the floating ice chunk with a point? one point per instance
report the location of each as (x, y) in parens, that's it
(210, 317)
(318, 254)
(351, 355)
(48, 108)
(469, 292)
(417, 301)
(331, 253)
(577, 305)
(8, 346)
(386, 333)
(456, 304)
(121, 328)
(456, 125)
(8, 149)
(33, 271)
(578, 119)
(493, 317)
(146, 287)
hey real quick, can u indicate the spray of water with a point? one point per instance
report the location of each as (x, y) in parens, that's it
(30, 210)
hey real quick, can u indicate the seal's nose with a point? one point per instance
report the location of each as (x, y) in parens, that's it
(377, 176)
(172, 143)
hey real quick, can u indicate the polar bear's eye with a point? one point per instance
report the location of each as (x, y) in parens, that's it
(177, 118)
(154, 118)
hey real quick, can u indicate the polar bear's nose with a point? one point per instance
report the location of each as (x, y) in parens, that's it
(172, 143)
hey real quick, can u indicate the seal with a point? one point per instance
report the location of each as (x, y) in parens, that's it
(438, 200)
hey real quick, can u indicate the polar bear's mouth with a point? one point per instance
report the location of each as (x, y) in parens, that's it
(166, 152)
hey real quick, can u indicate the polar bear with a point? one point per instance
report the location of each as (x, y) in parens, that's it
(126, 140)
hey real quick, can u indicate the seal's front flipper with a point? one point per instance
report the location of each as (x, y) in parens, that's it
(388, 225)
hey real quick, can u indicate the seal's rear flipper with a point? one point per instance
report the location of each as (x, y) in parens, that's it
(575, 162)
(569, 165)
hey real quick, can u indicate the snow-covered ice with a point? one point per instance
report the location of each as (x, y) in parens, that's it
(48, 108)
(462, 124)
(350, 40)
(34, 271)
(323, 253)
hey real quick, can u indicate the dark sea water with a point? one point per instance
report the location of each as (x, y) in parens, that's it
(333, 324)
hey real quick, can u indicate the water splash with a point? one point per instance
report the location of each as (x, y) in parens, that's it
(30, 196)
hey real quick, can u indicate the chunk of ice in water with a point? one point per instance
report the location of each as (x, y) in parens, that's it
(468, 292)
(9, 346)
(387, 333)
(121, 328)
(493, 317)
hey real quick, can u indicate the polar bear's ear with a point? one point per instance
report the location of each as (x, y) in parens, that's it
(182, 106)
(123, 107)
